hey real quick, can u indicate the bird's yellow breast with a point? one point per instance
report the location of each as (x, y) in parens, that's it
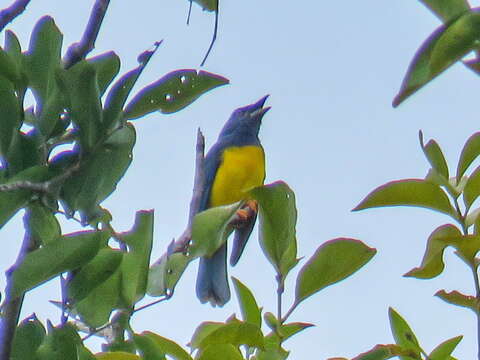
(242, 168)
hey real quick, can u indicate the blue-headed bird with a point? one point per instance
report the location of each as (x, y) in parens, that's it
(233, 165)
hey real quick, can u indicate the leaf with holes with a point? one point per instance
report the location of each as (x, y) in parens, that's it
(173, 92)
(403, 335)
(165, 273)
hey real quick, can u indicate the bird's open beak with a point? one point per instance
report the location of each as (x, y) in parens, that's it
(258, 109)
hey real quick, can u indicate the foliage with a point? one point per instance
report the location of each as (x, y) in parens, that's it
(105, 273)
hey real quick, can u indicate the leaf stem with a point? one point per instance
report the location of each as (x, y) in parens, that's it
(477, 295)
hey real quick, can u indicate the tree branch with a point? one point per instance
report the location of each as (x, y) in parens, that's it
(8, 14)
(78, 51)
(11, 306)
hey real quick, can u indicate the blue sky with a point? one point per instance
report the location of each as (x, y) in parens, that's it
(332, 70)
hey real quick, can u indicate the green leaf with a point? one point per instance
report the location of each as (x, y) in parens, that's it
(409, 192)
(248, 305)
(210, 229)
(172, 92)
(13, 48)
(54, 105)
(135, 262)
(41, 223)
(208, 5)
(290, 329)
(96, 308)
(332, 262)
(220, 351)
(81, 86)
(28, 337)
(445, 349)
(447, 9)
(61, 343)
(278, 218)
(381, 352)
(472, 188)
(435, 156)
(118, 94)
(273, 350)
(66, 253)
(12, 201)
(152, 345)
(9, 68)
(459, 299)
(165, 273)
(10, 121)
(117, 355)
(403, 335)
(203, 331)
(107, 66)
(235, 333)
(98, 176)
(470, 151)
(446, 45)
(43, 57)
(95, 272)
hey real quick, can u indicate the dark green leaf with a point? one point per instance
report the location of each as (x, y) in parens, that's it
(435, 156)
(106, 66)
(332, 262)
(9, 68)
(403, 335)
(118, 94)
(165, 273)
(99, 174)
(117, 355)
(445, 349)
(208, 5)
(12, 47)
(25, 151)
(96, 308)
(220, 351)
(135, 262)
(173, 92)
(81, 86)
(10, 120)
(12, 201)
(28, 337)
(42, 224)
(152, 345)
(278, 218)
(470, 152)
(95, 272)
(248, 305)
(447, 44)
(447, 9)
(66, 253)
(459, 299)
(210, 229)
(60, 344)
(43, 57)
(409, 192)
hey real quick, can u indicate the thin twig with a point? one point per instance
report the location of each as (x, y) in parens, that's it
(214, 37)
(477, 295)
(12, 305)
(183, 240)
(152, 303)
(78, 51)
(189, 12)
(8, 14)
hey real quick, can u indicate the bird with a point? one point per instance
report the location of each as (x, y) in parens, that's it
(233, 165)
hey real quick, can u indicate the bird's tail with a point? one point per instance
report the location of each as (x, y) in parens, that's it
(212, 281)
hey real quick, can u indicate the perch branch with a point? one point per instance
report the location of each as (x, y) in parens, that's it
(78, 51)
(8, 14)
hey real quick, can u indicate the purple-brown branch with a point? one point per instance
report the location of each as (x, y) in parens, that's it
(8, 14)
(79, 51)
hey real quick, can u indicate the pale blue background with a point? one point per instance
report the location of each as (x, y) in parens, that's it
(332, 69)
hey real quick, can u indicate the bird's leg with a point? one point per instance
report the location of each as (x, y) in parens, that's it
(248, 210)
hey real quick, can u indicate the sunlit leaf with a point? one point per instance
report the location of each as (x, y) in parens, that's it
(470, 151)
(332, 262)
(435, 156)
(117, 355)
(409, 192)
(381, 352)
(403, 334)
(202, 331)
(172, 92)
(459, 299)
(152, 345)
(220, 351)
(278, 218)
(235, 333)
(248, 305)
(445, 349)
(447, 9)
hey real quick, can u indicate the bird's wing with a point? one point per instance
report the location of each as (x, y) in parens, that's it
(212, 162)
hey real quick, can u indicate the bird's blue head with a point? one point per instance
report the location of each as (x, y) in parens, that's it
(246, 121)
